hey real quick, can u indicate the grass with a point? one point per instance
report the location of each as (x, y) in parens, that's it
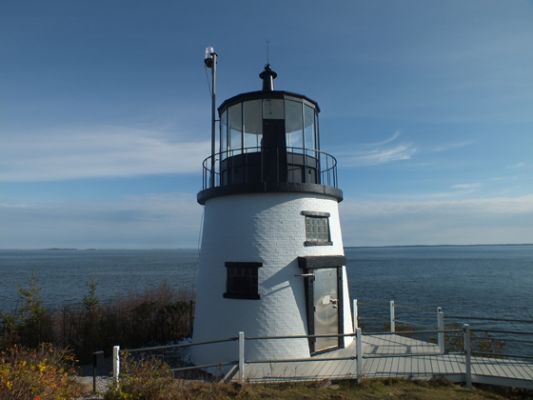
(153, 380)
(391, 389)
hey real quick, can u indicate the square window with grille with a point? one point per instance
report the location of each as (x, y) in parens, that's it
(317, 229)
(242, 280)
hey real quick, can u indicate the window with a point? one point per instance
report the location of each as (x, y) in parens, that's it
(253, 125)
(235, 129)
(242, 280)
(294, 126)
(317, 228)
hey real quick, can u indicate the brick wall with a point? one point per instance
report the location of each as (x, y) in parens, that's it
(267, 228)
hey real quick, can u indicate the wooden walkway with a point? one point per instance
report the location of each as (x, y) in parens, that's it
(393, 355)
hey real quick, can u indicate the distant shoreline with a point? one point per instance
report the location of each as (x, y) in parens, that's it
(195, 249)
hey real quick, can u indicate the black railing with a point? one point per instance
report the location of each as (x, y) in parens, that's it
(254, 165)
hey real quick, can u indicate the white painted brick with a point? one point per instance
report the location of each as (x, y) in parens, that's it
(267, 228)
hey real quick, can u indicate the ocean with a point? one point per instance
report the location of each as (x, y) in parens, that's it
(484, 281)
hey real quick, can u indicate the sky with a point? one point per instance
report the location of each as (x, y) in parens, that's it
(105, 114)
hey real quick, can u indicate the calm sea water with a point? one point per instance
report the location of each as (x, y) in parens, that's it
(494, 281)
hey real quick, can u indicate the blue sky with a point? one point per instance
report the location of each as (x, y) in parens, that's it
(104, 114)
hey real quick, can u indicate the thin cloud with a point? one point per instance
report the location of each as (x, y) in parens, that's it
(452, 146)
(518, 165)
(503, 219)
(378, 153)
(98, 153)
(466, 187)
(395, 136)
(152, 221)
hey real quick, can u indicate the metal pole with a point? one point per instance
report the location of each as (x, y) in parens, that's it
(95, 365)
(94, 371)
(440, 328)
(213, 115)
(355, 315)
(468, 356)
(241, 357)
(359, 355)
(116, 364)
(392, 317)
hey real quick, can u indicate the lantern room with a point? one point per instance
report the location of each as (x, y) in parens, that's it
(268, 141)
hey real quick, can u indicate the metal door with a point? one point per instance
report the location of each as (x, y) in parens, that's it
(326, 307)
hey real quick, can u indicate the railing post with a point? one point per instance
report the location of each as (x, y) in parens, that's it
(116, 364)
(355, 315)
(440, 329)
(95, 367)
(392, 317)
(241, 357)
(95, 361)
(359, 355)
(468, 356)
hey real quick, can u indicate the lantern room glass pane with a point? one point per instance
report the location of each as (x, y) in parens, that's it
(253, 125)
(235, 129)
(294, 125)
(309, 129)
(224, 134)
(272, 109)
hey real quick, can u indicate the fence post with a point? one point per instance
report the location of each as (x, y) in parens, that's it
(359, 355)
(468, 356)
(392, 317)
(116, 364)
(440, 329)
(355, 315)
(241, 357)
(95, 367)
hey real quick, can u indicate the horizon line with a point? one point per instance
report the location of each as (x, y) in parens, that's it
(191, 248)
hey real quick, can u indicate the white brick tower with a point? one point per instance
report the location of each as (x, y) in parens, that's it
(272, 259)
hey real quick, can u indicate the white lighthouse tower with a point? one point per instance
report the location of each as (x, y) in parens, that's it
(272, 259)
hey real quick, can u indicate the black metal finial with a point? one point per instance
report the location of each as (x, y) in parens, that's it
(268, 77)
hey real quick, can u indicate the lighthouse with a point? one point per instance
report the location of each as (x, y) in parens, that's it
(272, 259)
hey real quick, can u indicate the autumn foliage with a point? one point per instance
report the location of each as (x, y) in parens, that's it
(43, 373)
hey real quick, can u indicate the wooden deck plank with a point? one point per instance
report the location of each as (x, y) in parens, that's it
(504, 369)
(315, 367)
(519, 370)
(334, 368)
(425, 361)
(509, 370)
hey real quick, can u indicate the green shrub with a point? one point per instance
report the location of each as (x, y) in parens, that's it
(148, 379)
(153, 316)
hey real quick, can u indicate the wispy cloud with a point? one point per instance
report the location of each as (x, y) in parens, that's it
(395, 136)
(518, 165)
(467, 187)
(377, 153)
(503, 219)
(452, 146)
(149, 221)
(99, 152)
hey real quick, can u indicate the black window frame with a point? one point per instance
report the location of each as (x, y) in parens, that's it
(236, 287)
(318, 215)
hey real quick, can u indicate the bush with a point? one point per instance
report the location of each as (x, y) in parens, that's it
(148, 379)
(32, 324)
(44, 373)
(152, 379)
(154, 316)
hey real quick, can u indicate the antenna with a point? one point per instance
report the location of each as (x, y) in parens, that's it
(268, 51)
(210, 60)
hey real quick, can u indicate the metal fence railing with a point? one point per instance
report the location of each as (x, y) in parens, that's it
(253, 165)
(461, 351)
